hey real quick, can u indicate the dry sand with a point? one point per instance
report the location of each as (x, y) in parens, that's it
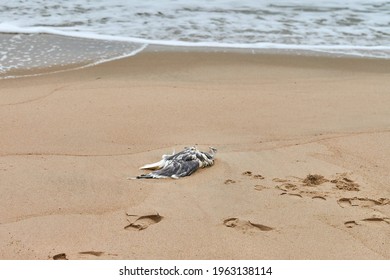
(69, 140)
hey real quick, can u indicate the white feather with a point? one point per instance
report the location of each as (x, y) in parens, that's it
(153, 166)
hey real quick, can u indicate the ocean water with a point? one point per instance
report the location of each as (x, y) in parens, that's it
(116, 28)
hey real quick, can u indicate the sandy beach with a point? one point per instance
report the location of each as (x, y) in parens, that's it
(302, 169)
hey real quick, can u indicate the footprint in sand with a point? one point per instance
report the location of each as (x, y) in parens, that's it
(142, 221)
(286, 187)
(245, 225)
(344, 183)
(297, 195)
(289, 189)
(61, 256)
(310, 180)
(351, 224)
(250, 174)
(279, 180)
(229, 181)
(313, 186)
(320, 197)
(93, 253)
(341, 181)
(260, 187)
(247, 173)
(362, 202)
(374, 221)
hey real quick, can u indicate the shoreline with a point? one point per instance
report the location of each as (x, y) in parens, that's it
(81, 59)
(69, 141)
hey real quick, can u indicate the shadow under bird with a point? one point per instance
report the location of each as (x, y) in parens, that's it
(180, 164)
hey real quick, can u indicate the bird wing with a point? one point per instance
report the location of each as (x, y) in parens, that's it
(185, 154)
(156, 165)
(173, 169)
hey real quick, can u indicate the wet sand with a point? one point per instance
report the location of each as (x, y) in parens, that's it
(301, 170)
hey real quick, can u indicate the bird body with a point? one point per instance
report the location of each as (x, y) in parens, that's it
(176, 165)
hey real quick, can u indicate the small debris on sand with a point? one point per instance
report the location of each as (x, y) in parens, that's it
(314, 180)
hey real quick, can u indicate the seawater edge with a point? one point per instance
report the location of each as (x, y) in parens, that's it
(39, 54)
(35, 54)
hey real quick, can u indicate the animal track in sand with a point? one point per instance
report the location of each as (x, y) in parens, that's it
(142, 221)
(350, 224)
(245, 225)
(286, 187)
(319, 197)
(365, 203)
(313, 185)
(299, 190)
(344, 183)
(279, 180)
(292, 194)
(362, 202)
(229, 181)
(93, 253)
(255, 176)
(250, 174)
(260, 187)
(61, 256)
(377, 221)
(87, 254)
